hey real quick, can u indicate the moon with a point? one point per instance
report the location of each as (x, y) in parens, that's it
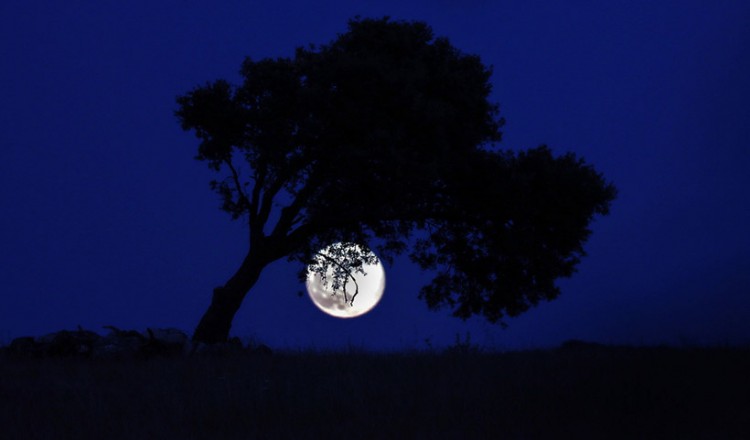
(341, 302)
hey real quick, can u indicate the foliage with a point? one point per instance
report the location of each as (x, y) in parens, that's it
(337, 264)
(386, 137)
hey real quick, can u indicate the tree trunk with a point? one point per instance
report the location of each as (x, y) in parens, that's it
(216, 322)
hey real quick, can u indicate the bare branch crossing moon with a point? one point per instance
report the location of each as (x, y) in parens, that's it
(353, 297)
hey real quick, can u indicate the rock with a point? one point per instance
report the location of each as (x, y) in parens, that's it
(169, 336)
(221, 349)
(119, 344)
(24, 347)
(259, 349)
(166, 342)
(124, 344)
(71, 343)
(65, 343)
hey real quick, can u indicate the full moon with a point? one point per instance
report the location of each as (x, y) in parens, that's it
(361, 290)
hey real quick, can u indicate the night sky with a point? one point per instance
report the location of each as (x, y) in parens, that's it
(108, 220)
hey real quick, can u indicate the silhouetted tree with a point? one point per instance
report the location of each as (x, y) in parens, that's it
(385, 136)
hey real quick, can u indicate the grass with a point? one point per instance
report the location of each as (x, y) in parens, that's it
(466, 394)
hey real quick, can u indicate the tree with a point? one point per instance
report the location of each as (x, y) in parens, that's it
(386, 137)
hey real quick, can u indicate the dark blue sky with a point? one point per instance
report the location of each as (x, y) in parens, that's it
(108, 220)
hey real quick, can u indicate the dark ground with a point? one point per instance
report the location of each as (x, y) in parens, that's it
(580, 391)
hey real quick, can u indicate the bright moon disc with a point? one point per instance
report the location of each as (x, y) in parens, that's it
(369, 287)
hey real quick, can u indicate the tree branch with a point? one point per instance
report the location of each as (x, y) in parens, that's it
(289, 214)
(267, 200)
(254, 223)
(237, 184)
(348, 272)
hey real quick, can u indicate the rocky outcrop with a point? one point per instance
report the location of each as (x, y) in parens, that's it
(123, 344)
(120, 344)
(65, 343)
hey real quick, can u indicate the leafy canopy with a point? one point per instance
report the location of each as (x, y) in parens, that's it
(386, 136)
